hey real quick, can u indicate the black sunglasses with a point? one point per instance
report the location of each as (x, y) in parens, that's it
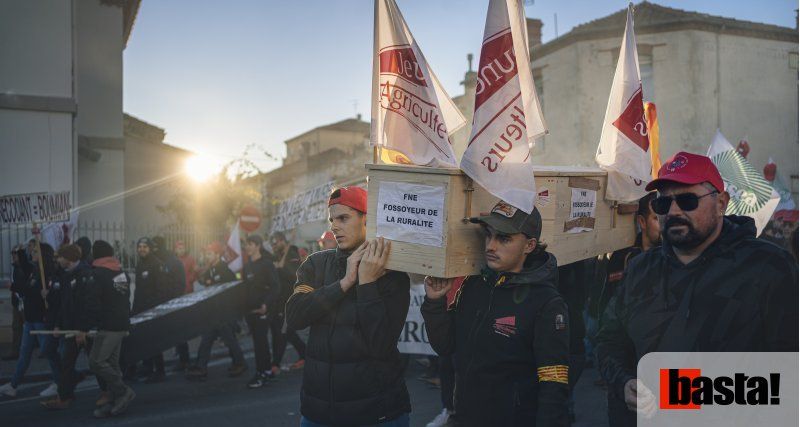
(686, 201)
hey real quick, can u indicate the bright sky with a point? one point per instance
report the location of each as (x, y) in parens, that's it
(218, 76)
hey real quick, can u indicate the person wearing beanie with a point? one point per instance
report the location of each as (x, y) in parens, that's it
(150, 291)
(74, 294)
(356, 310)
(33, 293)
(107, 310)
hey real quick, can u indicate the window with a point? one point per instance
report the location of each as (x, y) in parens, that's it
(646, 73)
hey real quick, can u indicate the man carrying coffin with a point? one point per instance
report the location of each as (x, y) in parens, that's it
(356, 310)
(507, 329)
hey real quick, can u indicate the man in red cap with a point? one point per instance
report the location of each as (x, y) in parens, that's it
(711, 286)
(356, 310)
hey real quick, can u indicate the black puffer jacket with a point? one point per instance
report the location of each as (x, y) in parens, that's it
(739, 295)
(509, 337)
(74, 292)
(353, 374)
(109, 304)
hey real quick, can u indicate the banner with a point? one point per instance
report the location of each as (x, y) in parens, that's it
(507, 115)
(233, 250)
(302, 208)
(414, 339)
(60, 233)
(412, 114)
(751, 194)
(624, 145)
(35, 207)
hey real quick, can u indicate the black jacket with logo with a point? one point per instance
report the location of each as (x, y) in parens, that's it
(109, 304)
(353, 373)
(740, 294)
(217, 274)
(509, 338)
(73, 293)
(151, 284)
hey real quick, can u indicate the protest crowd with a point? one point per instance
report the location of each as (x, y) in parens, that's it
(511, 339)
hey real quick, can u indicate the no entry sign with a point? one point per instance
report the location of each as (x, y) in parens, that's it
(249, 219)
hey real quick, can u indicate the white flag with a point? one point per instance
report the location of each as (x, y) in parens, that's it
(751, 194)
(411, 113)
(507, 113)
(60, 233)
(624, 146)
(233, 250)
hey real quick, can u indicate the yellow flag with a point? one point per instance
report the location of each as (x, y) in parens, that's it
(393, 157)
(652, 130)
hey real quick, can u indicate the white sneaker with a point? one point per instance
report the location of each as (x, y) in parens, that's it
(8, 390)
(440, 419)
(50, 391)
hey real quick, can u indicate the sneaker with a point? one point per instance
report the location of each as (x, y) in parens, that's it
(258, 381)
(57, 404)
(440, 420)
(236, 369)
(103, 411)
(298, 365)
(103, 400)
(50, 391)
(156, 377)
(122, 402)
(8, 390)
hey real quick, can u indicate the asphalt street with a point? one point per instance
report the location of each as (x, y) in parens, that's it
(223, 401)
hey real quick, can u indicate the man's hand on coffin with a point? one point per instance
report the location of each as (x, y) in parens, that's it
(436, 287)
(373, 262)
(351, 275)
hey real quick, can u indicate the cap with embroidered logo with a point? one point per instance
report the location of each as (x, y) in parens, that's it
(507, 219)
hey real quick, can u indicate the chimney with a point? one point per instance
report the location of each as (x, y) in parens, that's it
(534, 31)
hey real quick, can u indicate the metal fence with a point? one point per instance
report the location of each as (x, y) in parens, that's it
(122, 237)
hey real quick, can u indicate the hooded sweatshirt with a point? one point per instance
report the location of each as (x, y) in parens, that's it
(740, 294)
(509, 338)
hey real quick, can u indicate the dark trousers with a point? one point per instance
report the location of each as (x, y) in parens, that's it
(183, 352)
(259, 328)
(69, 376)
(447, 376)
(226, 332)
(155, 364)
(280, 338)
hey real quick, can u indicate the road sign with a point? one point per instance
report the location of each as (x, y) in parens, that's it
(249, 219)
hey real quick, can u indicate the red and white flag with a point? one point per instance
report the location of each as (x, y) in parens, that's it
(624, 144)
(507, 113)
(233, 250)
(411, 113)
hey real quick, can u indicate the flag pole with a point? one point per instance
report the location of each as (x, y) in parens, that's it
(36, 233)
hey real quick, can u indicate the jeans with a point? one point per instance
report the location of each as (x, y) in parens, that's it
(401, 421)
(48, 345)
(592, 327)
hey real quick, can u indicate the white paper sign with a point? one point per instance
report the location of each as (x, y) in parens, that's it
(581, 212)
(411, 213)
(414, 338)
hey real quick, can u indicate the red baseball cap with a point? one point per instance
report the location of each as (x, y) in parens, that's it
(328, 235)
(688, 168)
(354, 197)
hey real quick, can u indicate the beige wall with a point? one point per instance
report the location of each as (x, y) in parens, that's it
(102, 184)
(758, 96)
(36, 47)
(320, 140)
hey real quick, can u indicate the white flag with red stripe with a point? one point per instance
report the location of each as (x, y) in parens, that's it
(624, 149)
(233, 250)
(411, 113)
(507, 115)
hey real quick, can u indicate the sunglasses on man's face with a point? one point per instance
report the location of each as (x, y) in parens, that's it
(686, 201)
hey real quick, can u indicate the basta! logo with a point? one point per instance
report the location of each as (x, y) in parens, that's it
(686, 388)
(633, 123)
